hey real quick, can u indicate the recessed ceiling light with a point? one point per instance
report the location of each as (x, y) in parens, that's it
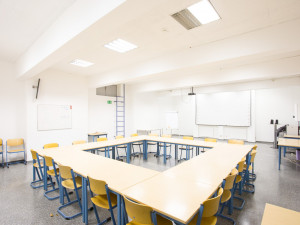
(81, 63)
(120, 45)
(204, 12)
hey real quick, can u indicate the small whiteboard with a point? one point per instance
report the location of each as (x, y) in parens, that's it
(171, 120)
(54, 117)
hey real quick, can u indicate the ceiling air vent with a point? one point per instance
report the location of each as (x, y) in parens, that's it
(186, 19)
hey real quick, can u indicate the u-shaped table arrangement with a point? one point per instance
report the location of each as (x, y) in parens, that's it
(177, 193)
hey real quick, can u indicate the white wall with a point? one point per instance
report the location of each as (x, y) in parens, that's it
(101, 115)
(12, 106)
(59, 89)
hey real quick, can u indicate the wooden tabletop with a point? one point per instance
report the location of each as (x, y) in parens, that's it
(97, 133)
(292, 136)
(289, 142)
(176, 198)
(275, 215)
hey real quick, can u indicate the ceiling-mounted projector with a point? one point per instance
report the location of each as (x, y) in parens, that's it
(192, 93)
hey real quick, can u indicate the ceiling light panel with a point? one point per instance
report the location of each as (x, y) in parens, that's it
(204, 12)
(81, 63)
(120, 45)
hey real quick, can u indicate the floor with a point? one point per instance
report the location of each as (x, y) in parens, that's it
(20, 204)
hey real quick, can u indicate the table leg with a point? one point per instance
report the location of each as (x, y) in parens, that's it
(157, 149)
(128, 152)
(145, 149)
(45, 174)
(176, 151)
(84, 201)
(165, 153)
(279, 157)
(119, 209)
(284, 151)
(113, 152)
(188, 152)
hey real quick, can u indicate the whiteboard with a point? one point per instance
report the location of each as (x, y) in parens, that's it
(54, 117)
(171, 120)
(224, 109)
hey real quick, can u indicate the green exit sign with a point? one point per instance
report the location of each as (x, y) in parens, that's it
(109, 102)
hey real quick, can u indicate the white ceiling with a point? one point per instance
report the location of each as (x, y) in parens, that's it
(256, 32)
(22, 22)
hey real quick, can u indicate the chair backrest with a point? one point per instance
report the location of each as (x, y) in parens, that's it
(210, 139)
(101, 139)
(1, 142)
(229, 181)
(253, 154)
(139, 212)
(65, 171)
(188, 138)
(211, 205)
(15, 142)
(34, 154)
(254, 147)
(134, 135)
(97, 186)
(239, 142)
(78, 142)
(119, 136)
(153, 134)
(241, 165)
(51, 145)
(167, 135)
(48, 161)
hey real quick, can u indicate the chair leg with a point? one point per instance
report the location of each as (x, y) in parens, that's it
(223, 216)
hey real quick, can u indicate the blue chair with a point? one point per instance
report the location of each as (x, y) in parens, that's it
(68, 180)
(1, 152)
(162, 145)
(102, 197)
(37, 170)
(185, 148)
(15, 146)
(121, 147)
(139, 144)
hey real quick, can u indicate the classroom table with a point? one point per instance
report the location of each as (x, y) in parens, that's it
(275, 215)
(183, 188)
(97, 134)
(116, 174)
(286, 143)
(291, 136)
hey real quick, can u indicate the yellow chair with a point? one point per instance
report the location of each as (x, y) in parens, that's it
(1, 151)
(141, 214)
(51, 145)
(238, 142)
(210, 209)
(162, 145)
(122, 147)
(152, 143)
(106, 149)
(51, 173)
(247, 168)
(78, 142)
(227, 194)
(14, 146)
(239, 183)
(210, 139)
(185, 148)
(68, 180)
(103, 198)
(136, 144)
(37, 170)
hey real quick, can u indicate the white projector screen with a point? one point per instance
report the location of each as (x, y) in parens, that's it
(54, 117)
(224, 109)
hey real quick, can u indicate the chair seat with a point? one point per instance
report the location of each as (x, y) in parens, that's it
(70, 185)
(101, 200)
(245, 167)
(15, 150)
(238, 179)
(204, 221)
(160, 221)
(122, 146)
(137, 143)
(52, 173)
(37, 164)
(162, 145)
(151, 143)
(184, 148)
(226, 196)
